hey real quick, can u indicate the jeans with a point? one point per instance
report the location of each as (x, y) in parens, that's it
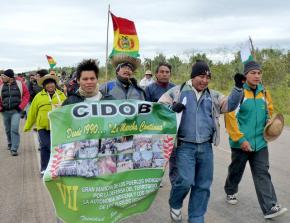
(44, 140)
(172, 167)
(259, 164)
(11, 122)
(195, 172)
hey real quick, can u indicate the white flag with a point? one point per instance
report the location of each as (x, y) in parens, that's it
(246, 54)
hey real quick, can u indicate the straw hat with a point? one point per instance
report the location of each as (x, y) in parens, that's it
(148, 72)
(274, 127)
(123, 58)
(46, 77)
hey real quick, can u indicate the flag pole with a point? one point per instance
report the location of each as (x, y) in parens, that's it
(107, 45)
(252, 48)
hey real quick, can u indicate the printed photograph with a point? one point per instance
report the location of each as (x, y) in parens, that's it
(67, 168)
(157, 143)
(69, 151)
(142, 143)
(108, 147)
(142, 159)
(87, 149)
(107, 165)
(124, 162)
(158, 160)
(87, 168)
(124, 144)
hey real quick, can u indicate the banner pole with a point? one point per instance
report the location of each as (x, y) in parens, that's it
(107, 46)
(252, 46)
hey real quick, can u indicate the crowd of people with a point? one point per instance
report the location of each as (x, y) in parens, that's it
(247, 110)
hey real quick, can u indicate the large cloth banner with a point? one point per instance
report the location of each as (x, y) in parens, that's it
(107, 158)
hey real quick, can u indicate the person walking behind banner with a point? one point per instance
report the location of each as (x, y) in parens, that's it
(34, 88)
(245, 128)
(14, 96)
(147, 80)
(87, 75)
(125, 86)
(155, 90)
(45, 101)
(198, 129)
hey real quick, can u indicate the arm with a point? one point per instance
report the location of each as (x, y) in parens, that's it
(32, 114)
(269, 103)
(232, 128)
(234, 132)
(25, 96)
(230, 103)
(147, 94)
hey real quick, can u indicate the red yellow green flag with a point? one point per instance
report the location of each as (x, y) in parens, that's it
(51, 61)
(125, 37)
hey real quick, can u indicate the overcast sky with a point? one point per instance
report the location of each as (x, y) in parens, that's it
(70, 30)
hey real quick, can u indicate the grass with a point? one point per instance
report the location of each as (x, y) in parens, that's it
(287, 119)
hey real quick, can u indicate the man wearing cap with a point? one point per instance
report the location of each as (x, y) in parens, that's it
(198, 129)
(125, 85)
(14, 96)
(245, 127)
(146, 80)
(155, 90)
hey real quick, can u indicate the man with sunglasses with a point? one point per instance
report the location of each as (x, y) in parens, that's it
(198, 129)
(125, 85)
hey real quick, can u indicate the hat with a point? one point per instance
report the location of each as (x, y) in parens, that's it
(200, 68)
(124, 58)
(148, 72)
(47, 77)
(274, 127)
(251, 65)
(9, 73)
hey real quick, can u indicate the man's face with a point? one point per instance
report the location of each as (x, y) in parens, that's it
(148, 76)
(37, 76)
(163, 74)
(32, 77)
(88, 81)
(254, 77)
(200, 82)
(125, 72)
(4, 78)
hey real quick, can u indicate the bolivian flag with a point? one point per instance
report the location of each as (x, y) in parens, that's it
(125, 37)
(51, 61)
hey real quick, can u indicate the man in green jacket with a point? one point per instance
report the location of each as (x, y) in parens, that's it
(245, 127)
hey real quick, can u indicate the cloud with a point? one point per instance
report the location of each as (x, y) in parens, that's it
(70, 30)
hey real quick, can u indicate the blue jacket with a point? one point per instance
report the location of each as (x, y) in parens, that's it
(154, 91)
(116, 90)
(200, 120)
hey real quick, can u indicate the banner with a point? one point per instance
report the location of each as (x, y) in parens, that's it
(107, 158)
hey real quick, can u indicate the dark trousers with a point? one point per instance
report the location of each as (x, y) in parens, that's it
(44, 140)
(259, 164)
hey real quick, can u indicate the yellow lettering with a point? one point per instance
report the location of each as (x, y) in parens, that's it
(69, 195)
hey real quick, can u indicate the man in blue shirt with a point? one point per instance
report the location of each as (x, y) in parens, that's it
(155, 90)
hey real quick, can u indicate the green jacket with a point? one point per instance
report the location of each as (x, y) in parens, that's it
(248, 121)
(40, 106)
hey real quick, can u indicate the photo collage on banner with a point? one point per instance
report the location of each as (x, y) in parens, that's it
(98, 157)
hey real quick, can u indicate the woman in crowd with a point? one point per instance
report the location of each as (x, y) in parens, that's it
(45, 101)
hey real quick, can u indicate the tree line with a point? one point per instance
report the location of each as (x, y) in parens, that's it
(275, 65)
